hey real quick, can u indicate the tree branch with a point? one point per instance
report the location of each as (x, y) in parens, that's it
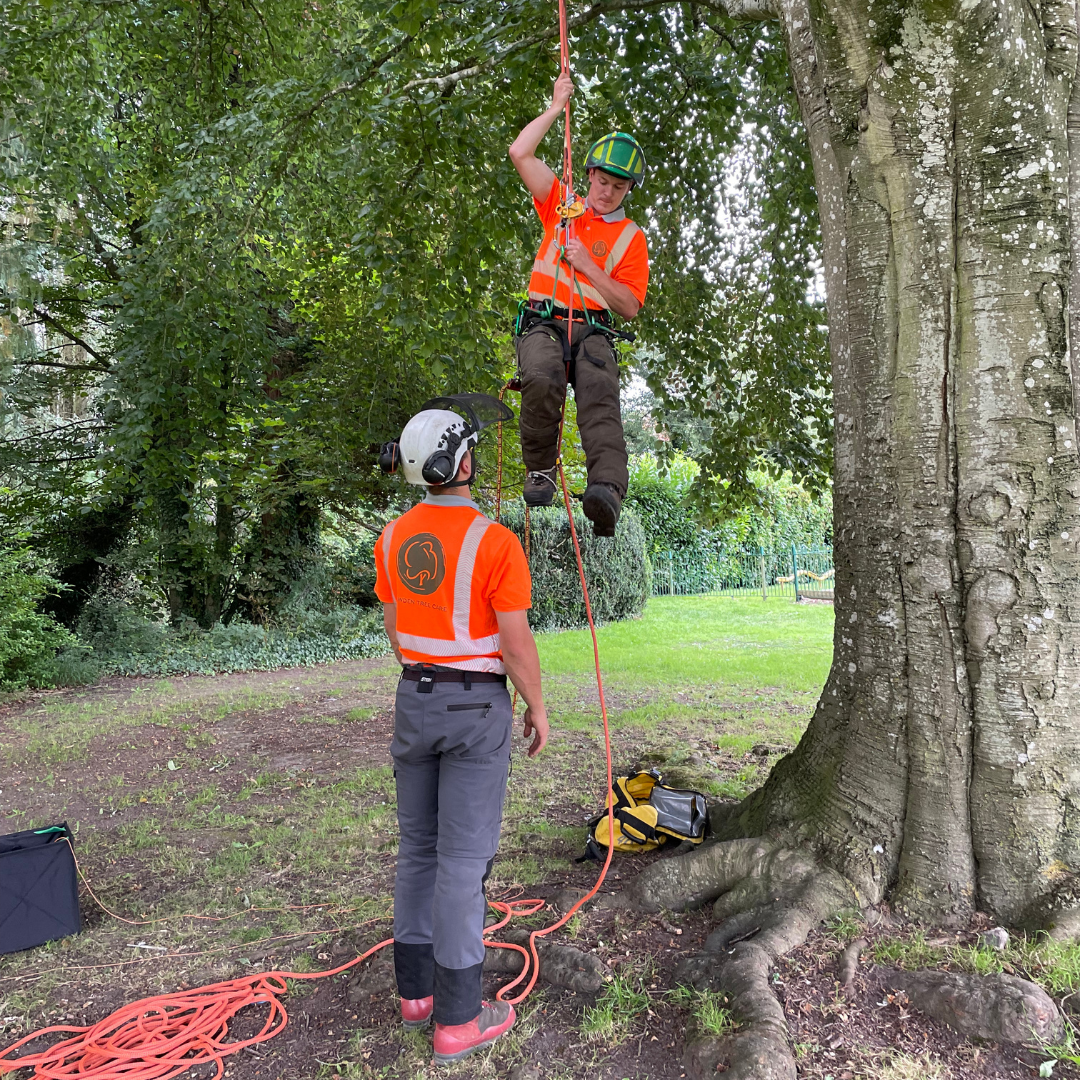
(345, 88)
(52, 431)
(58, 461)
(745, 10)
(107, 259)
(60, 364)
(739, 10)
(349, 516)
(60, 328)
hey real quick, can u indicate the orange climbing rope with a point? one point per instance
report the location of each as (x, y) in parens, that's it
(532, 967)
(160, 1037)
(568, 198)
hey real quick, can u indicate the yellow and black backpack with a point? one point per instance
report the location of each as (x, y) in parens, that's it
(647, 814)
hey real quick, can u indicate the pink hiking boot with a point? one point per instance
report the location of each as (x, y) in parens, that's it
(416, 1012)
(456, 1041)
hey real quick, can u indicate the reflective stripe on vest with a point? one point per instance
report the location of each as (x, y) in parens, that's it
(621, 246)
(544, 266)
(461, 644)
(388, 535)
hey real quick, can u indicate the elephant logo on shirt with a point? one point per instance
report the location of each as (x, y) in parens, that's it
(421, 563)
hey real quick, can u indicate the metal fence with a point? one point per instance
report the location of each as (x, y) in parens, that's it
(800, 573)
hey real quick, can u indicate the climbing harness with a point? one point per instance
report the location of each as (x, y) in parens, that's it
(160, 1037)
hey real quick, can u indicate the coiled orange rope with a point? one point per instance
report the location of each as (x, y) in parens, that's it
(161, 1037)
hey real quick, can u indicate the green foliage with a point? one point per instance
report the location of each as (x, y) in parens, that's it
(29, 638)
(780, 514)
(846, 925)
(1055, 965)
(909, 953)
(242, 244)
(125, 643)
(661, 498)
(708, 1009)
(1066, 1050)
(616, 568)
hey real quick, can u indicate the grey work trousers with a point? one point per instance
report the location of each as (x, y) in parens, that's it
(451, 754)
(594, 374)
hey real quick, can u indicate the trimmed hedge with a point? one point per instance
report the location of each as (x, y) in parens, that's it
(616, 568)
(784, 513)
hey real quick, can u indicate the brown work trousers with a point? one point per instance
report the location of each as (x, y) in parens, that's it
(594, 375)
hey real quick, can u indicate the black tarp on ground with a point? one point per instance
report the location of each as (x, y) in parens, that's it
(39, 895)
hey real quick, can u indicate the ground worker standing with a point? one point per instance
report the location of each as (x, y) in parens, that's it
(456, 590)
(609, 255)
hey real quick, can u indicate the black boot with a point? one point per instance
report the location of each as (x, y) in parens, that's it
(602, 504)
(540, 487)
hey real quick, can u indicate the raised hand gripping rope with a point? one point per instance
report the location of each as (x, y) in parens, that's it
(160, 1037)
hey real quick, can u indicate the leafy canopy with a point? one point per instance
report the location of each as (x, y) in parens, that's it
(242, 242)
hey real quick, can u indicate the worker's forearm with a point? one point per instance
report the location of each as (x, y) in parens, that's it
(617, 295)
(390, 625)
(523, 670)
(532, 134)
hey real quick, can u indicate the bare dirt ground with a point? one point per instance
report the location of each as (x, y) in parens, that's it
(266, 802)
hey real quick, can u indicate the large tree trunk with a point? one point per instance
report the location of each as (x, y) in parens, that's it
(943, 758)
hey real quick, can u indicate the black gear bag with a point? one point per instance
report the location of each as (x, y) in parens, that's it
(39, 893)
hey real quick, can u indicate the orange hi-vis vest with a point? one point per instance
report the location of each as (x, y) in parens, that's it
(448, 569)
(616, 244)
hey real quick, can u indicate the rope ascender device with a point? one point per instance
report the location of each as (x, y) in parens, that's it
(161, 1037)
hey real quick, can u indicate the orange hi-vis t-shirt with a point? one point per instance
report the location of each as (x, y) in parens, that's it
(448, 570)
(616, 244)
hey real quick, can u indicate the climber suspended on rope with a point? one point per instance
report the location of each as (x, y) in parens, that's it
(593, 263)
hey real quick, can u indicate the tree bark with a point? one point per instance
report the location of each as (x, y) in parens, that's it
(942, 761)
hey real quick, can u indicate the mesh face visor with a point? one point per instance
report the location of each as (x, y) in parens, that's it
(481, 410)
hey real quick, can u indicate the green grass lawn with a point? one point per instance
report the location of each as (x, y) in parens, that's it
(706, 639)
(252, 796)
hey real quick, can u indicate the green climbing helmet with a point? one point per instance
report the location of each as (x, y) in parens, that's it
(620, 154)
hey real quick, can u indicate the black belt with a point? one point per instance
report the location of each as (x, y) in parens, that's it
(600, 316)
(426, 677)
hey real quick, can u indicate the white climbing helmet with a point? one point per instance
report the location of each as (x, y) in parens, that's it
(435, 440)
(432, 445)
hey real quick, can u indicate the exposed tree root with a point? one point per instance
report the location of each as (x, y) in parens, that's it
(560, 965)
(999, 1008)
(767, 899)
(849, 963)
(759, 1050)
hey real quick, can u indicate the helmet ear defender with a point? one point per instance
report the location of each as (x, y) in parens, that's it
(389, 457)
(439, 468)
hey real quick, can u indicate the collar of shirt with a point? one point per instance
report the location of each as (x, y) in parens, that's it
(615, 215)
(448, 500)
